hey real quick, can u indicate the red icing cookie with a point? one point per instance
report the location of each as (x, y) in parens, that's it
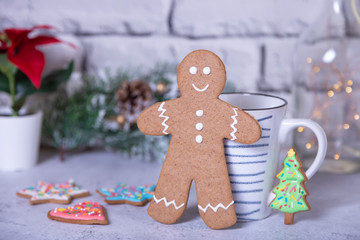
(82, 213)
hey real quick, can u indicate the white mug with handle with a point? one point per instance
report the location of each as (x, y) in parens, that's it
(252, 167)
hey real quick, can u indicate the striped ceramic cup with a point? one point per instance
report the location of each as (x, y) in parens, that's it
(252, 167)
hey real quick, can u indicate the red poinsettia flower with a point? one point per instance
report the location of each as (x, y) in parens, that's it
(3, 46)
(23, 53)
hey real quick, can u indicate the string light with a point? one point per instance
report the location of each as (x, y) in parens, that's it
(318, 114)
(316, 69)
(337, 80)
(120, 119)
(161, 87)
(330, 93)
(355, 11)
(336, 87)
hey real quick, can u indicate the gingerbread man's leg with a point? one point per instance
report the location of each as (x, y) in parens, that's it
(171, 193)
(215, 202)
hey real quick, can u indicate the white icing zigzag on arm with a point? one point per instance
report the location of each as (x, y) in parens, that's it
(167, 204)
(233, 125)
(220, 205)
(163, 110)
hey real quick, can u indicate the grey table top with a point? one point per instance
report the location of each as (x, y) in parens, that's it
(335, 202)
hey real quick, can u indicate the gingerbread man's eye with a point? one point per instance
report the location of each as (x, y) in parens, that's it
(206, 70)
(193, 70)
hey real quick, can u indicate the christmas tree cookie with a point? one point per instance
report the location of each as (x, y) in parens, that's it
(291, 192)
(82, 213)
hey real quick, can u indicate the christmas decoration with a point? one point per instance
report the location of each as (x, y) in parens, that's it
(161, 87)
(120, 131)
(22, 64)
(73, 121)
(291, 192)
(132, 98)
(120, 120)
(103, 114)
(327, 85)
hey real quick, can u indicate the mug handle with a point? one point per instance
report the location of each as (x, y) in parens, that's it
(288, 125)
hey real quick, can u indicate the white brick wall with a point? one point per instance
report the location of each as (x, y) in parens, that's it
(89, 16)
(241, 56)
(277, 66)
(209, 18)
(254, 38)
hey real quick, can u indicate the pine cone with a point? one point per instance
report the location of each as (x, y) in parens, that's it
(132, 98)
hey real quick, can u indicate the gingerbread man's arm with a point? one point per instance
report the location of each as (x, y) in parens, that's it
(154, 120)
(244, 128)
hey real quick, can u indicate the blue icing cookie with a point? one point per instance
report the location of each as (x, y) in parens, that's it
(124, 193)
(104, 191)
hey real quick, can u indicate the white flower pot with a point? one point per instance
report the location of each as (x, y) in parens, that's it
(19, 141)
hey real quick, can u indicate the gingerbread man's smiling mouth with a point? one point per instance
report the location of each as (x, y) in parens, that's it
(200, 89)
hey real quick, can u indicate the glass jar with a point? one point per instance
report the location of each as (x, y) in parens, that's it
(326, 75)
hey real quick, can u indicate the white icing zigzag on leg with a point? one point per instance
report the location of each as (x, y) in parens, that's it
(233, 125)
(220, 205)
(167, 204)
(162, 110)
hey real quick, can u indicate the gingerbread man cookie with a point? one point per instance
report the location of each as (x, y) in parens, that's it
(198, 122)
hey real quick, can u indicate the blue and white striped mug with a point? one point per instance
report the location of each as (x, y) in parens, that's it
(252, 167)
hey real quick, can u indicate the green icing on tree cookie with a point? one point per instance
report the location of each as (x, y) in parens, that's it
(291, 192)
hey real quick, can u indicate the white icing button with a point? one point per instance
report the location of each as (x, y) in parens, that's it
(206, 70)
(193, 70)
(199, 139)
(199, 126)
(199, 113)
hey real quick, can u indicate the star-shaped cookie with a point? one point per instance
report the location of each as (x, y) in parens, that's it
(82, 213)
(124, 193)
(56, 193)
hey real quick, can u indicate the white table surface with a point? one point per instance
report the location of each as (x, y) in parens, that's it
(335, 202)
